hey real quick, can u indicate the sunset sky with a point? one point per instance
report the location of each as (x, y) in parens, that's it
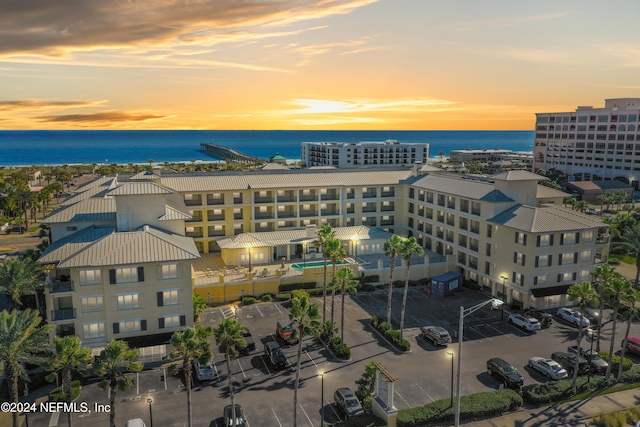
(311, 64)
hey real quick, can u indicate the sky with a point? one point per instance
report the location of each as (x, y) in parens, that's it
(311, 64)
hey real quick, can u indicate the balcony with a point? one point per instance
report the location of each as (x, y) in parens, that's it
(194, 219)
(330, 211)
(196, 201)
(264, 215)
(290, 213)
(215, 217)
(603, 239)
(287, 197)
(387, 208)
(58, 286)
(308, 197)
(63, 314)
(237, 215)
(369, 194)
(237, 200)
(310, 212)
(195, 233)
(389, 193)
(264, 199)
(215, 200)
(65, 330)
(330, 195)
(367, 208)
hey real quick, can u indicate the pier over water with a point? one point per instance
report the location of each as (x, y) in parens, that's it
(229, 154)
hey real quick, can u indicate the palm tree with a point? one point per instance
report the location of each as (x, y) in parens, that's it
(336, 251)
(347, 283)
(199, 306)
(391, 249)
(19, 277)
(616, 291)
(600, 276)
(66, 359)
(407, 250)
(568, 201)
(629, 300)
(581, 206)
(22, 341)
(228, 335)
(189, 345)
(584, 294)
(112, 365)
(304, 316)
(630, 242)
(441, 154)
(323, 235)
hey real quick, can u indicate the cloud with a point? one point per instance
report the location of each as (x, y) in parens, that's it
(324, 106)
(499, 23)
(23, 104)
(58, 28)
(101, 119)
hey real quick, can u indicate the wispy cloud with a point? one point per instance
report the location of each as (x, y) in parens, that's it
(99, 119)
(323, 106)
(499, 22)
(23, 104)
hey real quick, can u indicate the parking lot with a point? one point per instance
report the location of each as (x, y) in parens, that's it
(424, 373)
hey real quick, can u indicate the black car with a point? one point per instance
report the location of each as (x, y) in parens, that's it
(597, 363)
(274, 355)
(16, 229)
(544, 318)
(505, 372)
(568, 362)
(240, 420)
(593, 314)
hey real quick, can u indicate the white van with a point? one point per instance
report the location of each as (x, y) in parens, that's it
(135, 423)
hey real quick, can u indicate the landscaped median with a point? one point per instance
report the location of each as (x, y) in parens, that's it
(390, 334)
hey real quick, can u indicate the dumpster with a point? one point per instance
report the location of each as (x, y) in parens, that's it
(446, 284)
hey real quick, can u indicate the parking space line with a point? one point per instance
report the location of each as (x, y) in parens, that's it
(305, 414)
(311, 358)
(428, 395)
(259, 311)
(499, 331)
(267, 368)
(223, 313)
(276, 305)
(400, 396)
(242, 370)
(480, 333)
(164, 373)
(334, 411)
(216, 369)
(274, 414)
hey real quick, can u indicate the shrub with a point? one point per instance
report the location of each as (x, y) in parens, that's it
(283, 297)
(632, 375)
(299, 293)
(266, 297)
(299, 285)
(398, 283)
(339, 349)
(626, 364)
(369, 279)
(390, 334)
(374, 321)
(327, 330)
(248, 300)
(315, 292)
(558, 390)
(368, 288)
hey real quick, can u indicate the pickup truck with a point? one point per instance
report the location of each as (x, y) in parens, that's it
(16, 229)
(285, 332)
(596, 363)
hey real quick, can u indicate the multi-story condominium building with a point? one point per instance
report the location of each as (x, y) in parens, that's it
(119, 265)
(496, 155)
(591, 143)
(350, 154)
(507, 233)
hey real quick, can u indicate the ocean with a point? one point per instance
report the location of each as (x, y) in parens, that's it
(41, 147)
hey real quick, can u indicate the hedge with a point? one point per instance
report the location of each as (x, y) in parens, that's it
(477, 405)
(299, 293)
(626, 364)
(266, 297)
(390, 334)
(283, 297)
(341, 350)
(248, 300)
(300, 285)
(369, 279)
(557, 390)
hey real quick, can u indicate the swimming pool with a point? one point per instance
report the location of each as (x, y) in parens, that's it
(314, 264)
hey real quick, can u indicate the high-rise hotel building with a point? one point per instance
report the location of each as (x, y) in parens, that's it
(350, 154)
(591, 143)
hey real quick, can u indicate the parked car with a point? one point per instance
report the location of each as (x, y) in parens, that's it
(527, 323)
(633, 345)
(505, 372)
(203, 372)
(436, 334)
(544, 318)
(248, 338)
(274, 355)
(596, 363)
(548, 367)
(347, 402)
(240, 420)
(593, 315)
(572, 316)
(568, 362)
(136, 422)
(16, 229)
(285, 332)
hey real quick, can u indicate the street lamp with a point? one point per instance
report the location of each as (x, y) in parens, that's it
(304, 255)
(450, 353)
(504, 297)
(321, 374)
(355, 248)
(250, 265)
(495, 303)
(235, 312)
(150, 401)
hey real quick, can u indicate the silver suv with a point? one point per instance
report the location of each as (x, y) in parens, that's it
(436, 334)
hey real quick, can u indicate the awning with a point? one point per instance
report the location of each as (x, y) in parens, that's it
(551, 290)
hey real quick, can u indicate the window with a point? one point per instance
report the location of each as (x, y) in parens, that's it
(93, 330)
(585, 275)
(519, 258)
(585, 255)
(569, 238)
(132, 325)
(566, 277)
(91, 303)
(90, 277)
(126, 275)
(543, 260)
(518, 278)
(521, 238)
(168, 297)
(587, 236)
(128, 301)
(545, 240)
(541, 280)
(169, 271)
(172, 321)
(568, 258)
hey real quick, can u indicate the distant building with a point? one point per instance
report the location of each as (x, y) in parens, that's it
(591, 190)
(350, 154)
(591, 143)
(278, 158)
(503, 159)
(35, 175)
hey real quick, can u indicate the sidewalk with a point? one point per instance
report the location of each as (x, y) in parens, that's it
(577, 413)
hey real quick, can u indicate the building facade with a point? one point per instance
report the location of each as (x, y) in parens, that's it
(496, 155)
(591, 144)
(350, 154)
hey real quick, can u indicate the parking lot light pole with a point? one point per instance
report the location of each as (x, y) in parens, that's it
(321, 399)
(150, 401)
(504, 297)
(450, 353)
(495, 302)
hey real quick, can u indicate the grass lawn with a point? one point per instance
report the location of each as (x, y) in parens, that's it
(627, 259)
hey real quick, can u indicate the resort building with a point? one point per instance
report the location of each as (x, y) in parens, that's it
(591, 144)
(350, 154)
(228, 234)
(498, 156)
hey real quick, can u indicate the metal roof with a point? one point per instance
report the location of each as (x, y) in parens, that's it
(517, 175)
(139, 188)
(455, 185)
(173, 214)
(144, 175)
(90, 209)
(66, 247)
(549, 218)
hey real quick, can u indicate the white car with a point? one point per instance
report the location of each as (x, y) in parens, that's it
(203, 372)
(572, 316)
(527, 323)
(547, 367)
